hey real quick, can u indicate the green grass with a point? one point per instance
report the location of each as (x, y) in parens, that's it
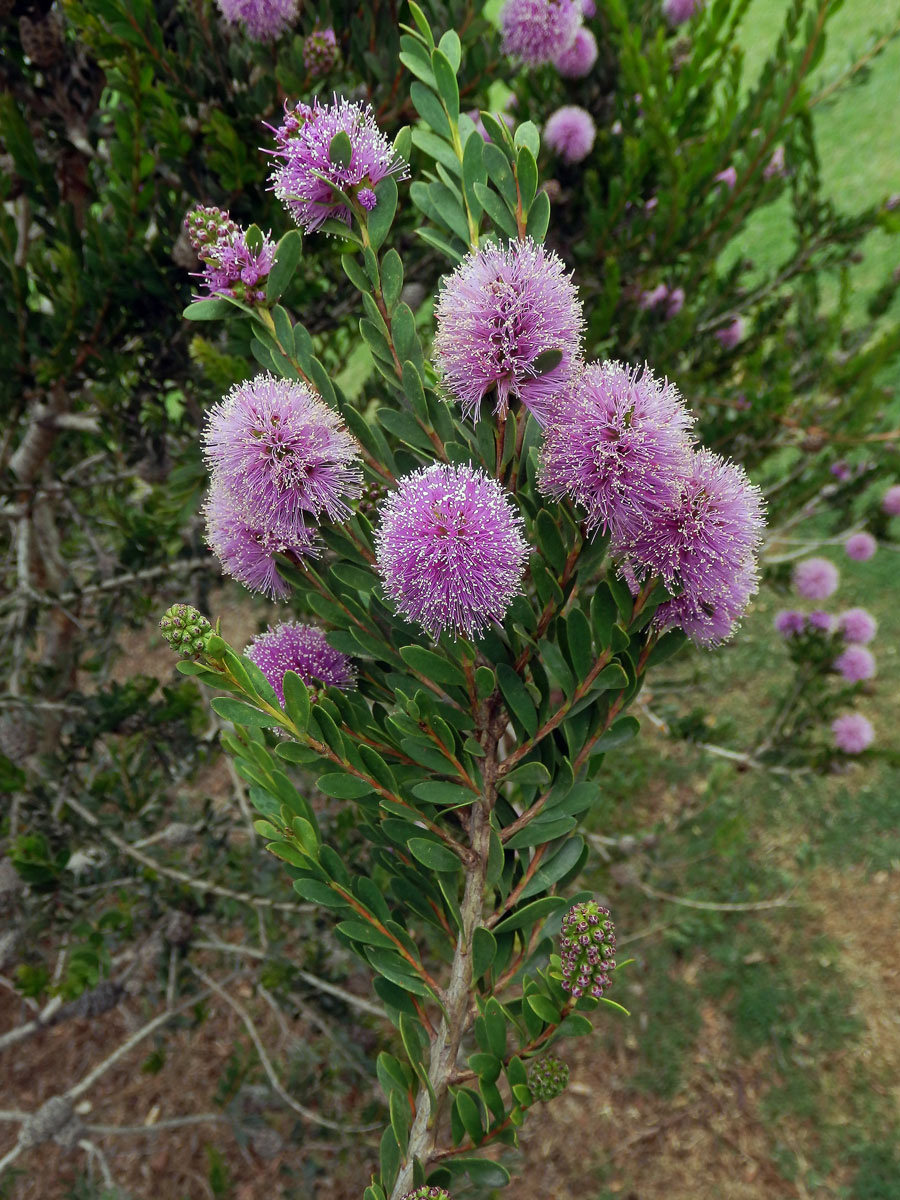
(855, 131)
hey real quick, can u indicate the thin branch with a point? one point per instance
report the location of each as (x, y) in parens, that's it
(277, 1086)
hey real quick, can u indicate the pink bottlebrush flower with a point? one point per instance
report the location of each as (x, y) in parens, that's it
(860, 546)
(232, 266)
(856, 663)
(450, 549)
(617, 443)
(264, 20)
(570, 133)
(291, 646)
(728, 177)
(501, 313)
(538, 31)
(703, 539)
(277, 446)
(820, 620)
(732, 334)
(674, 303)
(890, 501)
(816, 578)
(587, 950)
(247, 547)
(789, 622)
(303, 146)
(677, 12)
(576, 62)
(320, 52)
(857, 626)
(775, 166)
(852, 733)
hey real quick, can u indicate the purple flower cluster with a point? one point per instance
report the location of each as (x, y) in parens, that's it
(791, 622)
(619, 445)
(233, 264)
(508, 321)
(246, 547)
(278, 456)
(539, 31)
(616, 445)
(320, 52)
(728, 177)
(890, 501)
(677, 12)
(857, 626)
(570, 132)
(314, 180)
(278, 446)
(732, 334)
(264, 20)
(852, 733)
(291, 646)
(450, 549)
(855, 664)
(860, 546)
(587, 950)
(816, 578)
(576, 62)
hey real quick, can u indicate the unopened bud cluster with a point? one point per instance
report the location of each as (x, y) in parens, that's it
(320, 52)
(427, 1193)
(587, 949)
(548, 1077)
(185, 629)
(207, 226)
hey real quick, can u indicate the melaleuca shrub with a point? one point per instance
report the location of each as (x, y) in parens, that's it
(482, 552)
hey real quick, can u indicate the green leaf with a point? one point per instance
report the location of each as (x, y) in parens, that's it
(604, 613)
(317, 892)
(391, 277)
(287, 255)
(213, 309)
(437, 149)
(362, 931)
(547, 361)
(485, 682)
(403, 426)
(296, 699)
(484, 951)
(399, 1113)
(240, 713)
(452, 47)
(544, 1008)
(389, 1157)
(344, 787)
(432, 666)
(340, 149)
(403, 331)
(530, 914)
(422, 22)
(549, 540)
(433, 855)
(445, 78)
(539, 217)
(622, 731)
(565, 860)
(482, 1172)
(536, 832)
(498, 132)
(517, 698)
(430, 109)
(527, 176)
(381, 217)
(527, 135)
(469, 1115)
(496, 209)
(529, 773)
(354, 271)
(580, 643)
(443, 793)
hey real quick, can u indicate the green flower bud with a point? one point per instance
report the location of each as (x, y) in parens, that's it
(427, 1193)
(587, 950)
(548, 1077)
(186, 630)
